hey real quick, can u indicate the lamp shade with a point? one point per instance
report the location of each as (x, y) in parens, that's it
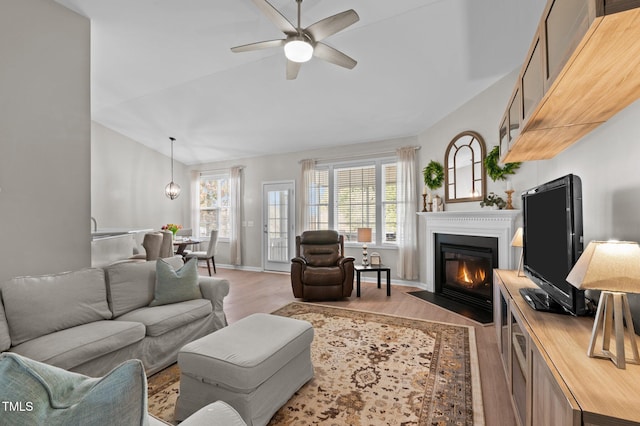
(517, 238)
(298, 50)
(364, 235)
(608, 265)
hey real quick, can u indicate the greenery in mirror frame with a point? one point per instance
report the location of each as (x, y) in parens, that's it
(494, 171)
(433, 175)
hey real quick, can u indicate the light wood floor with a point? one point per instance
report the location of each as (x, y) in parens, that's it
(252, 292)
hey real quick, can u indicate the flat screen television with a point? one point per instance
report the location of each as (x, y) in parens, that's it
(553, 242)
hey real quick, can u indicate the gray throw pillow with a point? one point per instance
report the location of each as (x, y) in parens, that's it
(173, 286)
(33, 392)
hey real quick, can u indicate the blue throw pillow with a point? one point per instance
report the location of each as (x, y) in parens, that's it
(173, 286)
(33, 393)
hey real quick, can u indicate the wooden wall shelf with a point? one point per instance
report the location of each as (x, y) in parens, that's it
(583, 67)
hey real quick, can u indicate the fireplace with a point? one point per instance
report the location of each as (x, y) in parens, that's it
(464, 268)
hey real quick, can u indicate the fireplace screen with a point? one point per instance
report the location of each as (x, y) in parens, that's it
(468, 273)
(464, 268)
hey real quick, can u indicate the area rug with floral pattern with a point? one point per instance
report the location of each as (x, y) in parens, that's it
(370, 369)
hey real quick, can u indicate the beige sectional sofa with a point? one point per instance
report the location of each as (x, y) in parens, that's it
(91, 320)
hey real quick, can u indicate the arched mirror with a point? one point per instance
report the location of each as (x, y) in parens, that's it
(465, 177)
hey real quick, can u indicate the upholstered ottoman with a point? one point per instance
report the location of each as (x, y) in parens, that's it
(255, 365)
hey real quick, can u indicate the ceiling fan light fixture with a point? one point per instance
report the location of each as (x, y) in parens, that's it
(297, 49)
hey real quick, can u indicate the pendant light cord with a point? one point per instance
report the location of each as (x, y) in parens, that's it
(172, 141)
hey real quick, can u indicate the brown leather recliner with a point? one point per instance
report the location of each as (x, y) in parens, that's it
(320, 270)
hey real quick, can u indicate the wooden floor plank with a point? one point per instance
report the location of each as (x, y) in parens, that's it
(252, 292)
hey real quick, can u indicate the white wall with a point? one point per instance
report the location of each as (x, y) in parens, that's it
(273, 168)
(128, 181)
(605, 160)
(608, 163)
(44, 137)
(481, 114)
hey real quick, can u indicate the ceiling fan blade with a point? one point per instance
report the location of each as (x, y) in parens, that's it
(334, 56)
(258, 46)
(292, 69)
(331, 25)
(275, 16)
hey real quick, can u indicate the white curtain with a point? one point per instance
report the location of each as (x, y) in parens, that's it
(235, 193)
(308, 177)
(407, 267)
(195, 204)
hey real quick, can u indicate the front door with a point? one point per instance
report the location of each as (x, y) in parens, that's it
(278, 225)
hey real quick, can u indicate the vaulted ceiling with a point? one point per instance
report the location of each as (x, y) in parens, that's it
(164, 68)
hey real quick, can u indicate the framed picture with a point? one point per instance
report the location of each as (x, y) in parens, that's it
(375, 259)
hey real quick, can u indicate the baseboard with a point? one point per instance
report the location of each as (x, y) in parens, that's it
(240, 268)
(405, 283)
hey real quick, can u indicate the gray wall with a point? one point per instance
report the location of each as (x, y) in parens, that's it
(45, 138)
(128, 181)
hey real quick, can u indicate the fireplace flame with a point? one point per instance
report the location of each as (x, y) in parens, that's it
(470, 276)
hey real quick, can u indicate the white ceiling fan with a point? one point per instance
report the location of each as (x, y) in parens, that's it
(303, 43)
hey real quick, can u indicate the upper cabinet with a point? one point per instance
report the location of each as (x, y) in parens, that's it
(582, 68)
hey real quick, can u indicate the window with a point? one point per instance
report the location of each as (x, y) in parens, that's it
(362, 195)
(214, 205)
(355, 201)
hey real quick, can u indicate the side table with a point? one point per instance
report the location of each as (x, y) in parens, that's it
(376, 268)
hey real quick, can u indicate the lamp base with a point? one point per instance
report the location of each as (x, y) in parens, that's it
(520, 264)
(613, 309)
(365, 258)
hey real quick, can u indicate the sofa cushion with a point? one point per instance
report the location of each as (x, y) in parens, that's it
(176, 285)
(159, 320)
(61, 397)
(323, 276)
(40, 305)
(131, 285)
(78, 345)
(5, 338)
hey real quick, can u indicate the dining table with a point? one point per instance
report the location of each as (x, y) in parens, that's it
(182, 243)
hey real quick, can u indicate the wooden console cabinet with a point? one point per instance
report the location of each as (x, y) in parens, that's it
(582, 68)
(551, 380)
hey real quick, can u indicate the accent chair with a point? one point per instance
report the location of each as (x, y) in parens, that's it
(320, 270)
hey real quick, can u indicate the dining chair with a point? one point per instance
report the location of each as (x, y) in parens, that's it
(166, 249)
(209, 254)
(151, 244)
(184, 232)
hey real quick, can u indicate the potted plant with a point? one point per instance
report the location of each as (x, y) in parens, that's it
(172, 227)
(494, 201)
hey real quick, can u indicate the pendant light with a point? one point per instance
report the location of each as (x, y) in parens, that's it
(172, 190)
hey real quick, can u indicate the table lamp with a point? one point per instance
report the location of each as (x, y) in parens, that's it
(614, 268)
(364, 236)
(517, 242)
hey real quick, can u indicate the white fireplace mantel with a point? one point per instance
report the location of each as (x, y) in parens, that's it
(500, 224)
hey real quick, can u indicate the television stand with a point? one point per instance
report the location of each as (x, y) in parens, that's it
(540, 300)
(551, 379)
